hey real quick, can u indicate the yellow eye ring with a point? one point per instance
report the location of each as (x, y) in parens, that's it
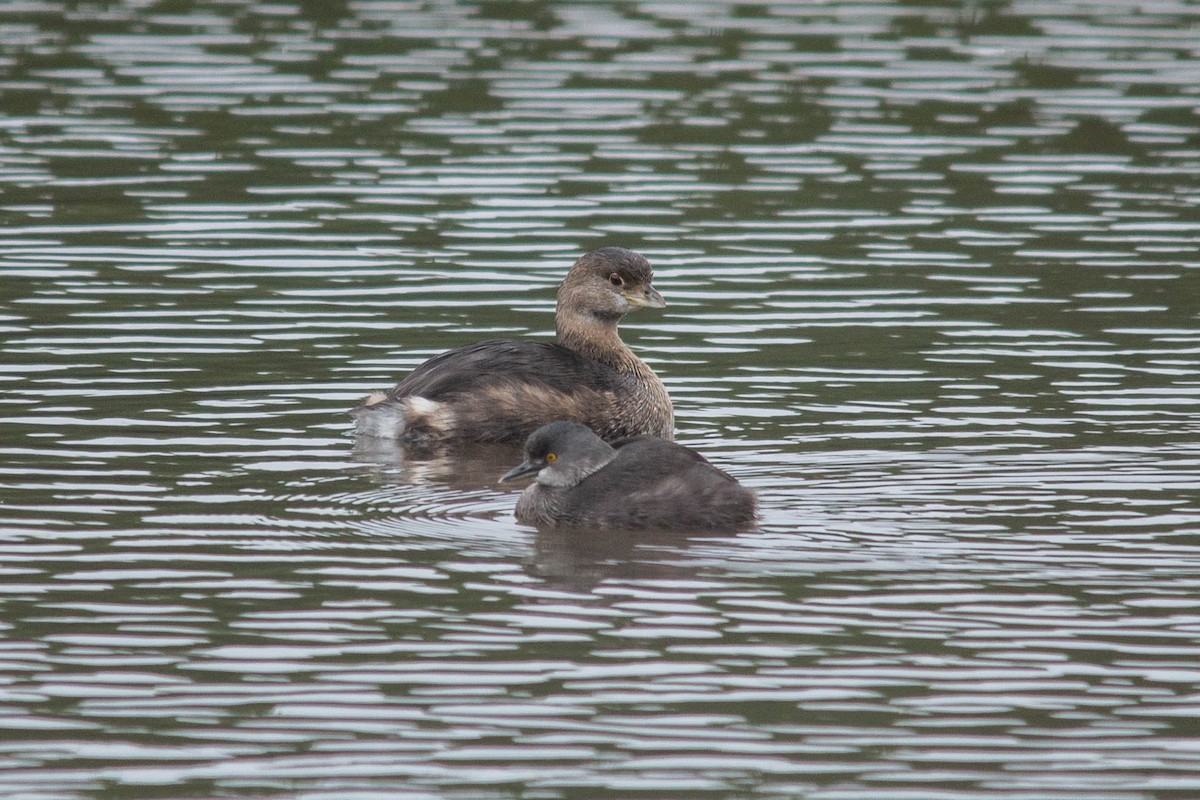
(551, 458)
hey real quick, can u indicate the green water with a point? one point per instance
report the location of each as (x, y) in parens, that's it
(931, 272)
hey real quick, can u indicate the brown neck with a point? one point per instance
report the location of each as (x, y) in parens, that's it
(596, 338)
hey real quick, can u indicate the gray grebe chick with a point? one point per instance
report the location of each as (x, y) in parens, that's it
(637, 482)
(501, 390)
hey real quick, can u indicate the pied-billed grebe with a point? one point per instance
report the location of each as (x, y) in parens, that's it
(501, 390)
(638, 482)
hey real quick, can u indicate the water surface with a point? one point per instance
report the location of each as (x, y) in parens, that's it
(931, 273)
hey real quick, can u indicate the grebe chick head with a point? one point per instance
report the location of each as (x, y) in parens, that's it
(562, 454)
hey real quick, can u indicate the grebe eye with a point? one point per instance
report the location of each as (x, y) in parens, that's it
(616, 280)
(551, 458)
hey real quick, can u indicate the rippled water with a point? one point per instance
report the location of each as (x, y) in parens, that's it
(932, 272)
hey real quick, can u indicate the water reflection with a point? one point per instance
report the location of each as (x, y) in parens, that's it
(581, 560)
(463, 466)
